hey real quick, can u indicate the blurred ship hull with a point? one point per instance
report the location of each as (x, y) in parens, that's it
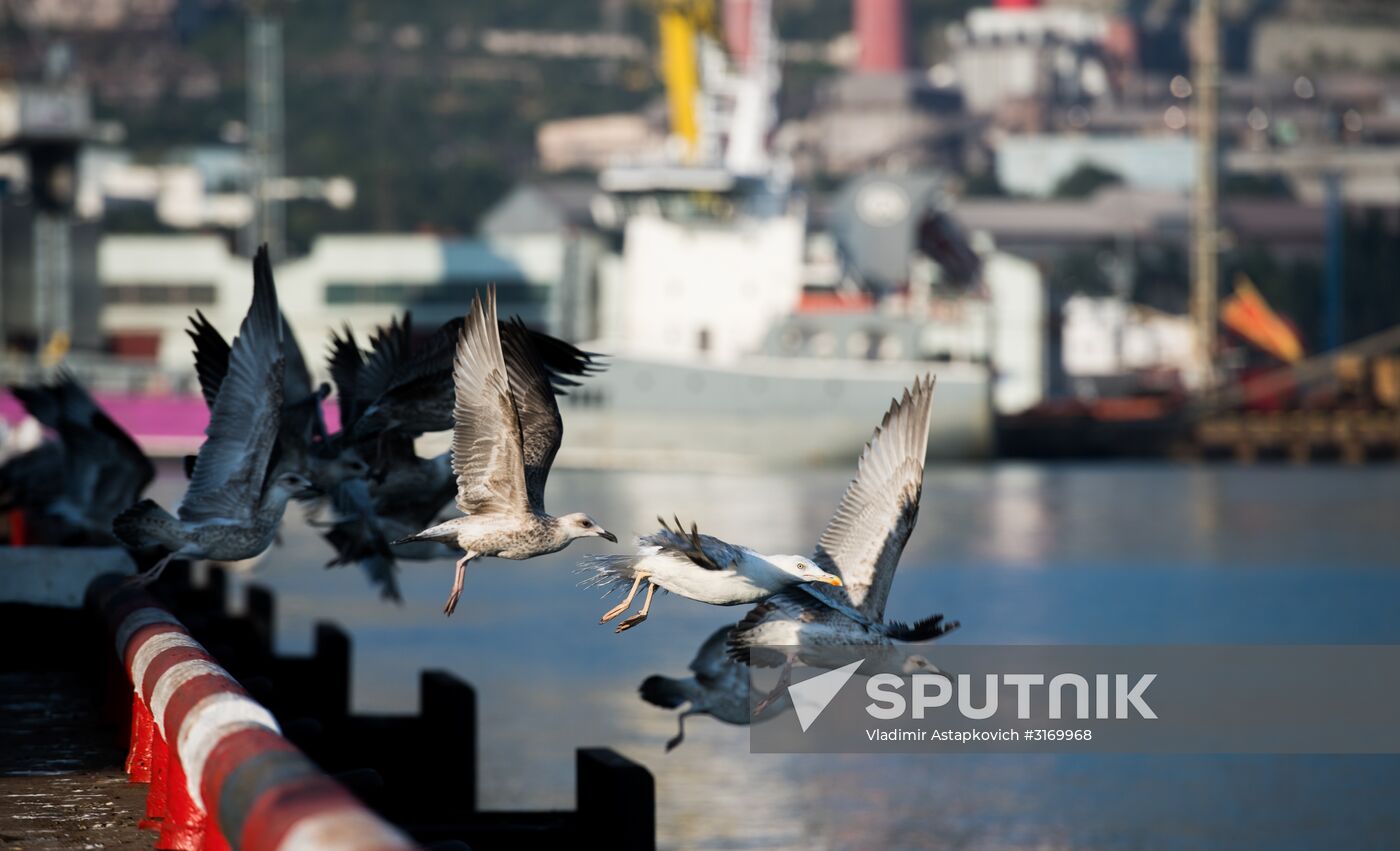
(766, 412)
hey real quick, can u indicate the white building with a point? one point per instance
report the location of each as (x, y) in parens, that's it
(152, 284)
(1108, 337)
(1033, 164)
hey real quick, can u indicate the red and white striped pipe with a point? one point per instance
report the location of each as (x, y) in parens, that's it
(221, 775)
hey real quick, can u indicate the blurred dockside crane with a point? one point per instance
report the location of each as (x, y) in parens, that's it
(1205, 214)
(46, 122)
(265, 123)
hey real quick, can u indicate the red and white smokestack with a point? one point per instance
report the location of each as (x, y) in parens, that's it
(738, 30)
(880, 33)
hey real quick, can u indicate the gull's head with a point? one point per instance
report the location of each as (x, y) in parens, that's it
(580, 525)
(295, 485)
(916, 664)
(803, 569)
(351, 465)
(331, 471)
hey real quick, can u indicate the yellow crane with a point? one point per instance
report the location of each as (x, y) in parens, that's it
(680, 23)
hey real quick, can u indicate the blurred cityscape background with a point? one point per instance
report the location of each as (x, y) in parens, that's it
(1139, 227)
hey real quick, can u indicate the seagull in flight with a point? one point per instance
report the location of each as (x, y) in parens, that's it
(76, 485)
(700, 567)
(417, 394)
(506, 432)
(237, 493)
(720, 688)
(862, 544)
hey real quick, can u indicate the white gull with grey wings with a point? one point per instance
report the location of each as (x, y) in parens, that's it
(862, 544)
(700, 567)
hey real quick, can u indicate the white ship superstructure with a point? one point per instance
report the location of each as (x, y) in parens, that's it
(737, 334)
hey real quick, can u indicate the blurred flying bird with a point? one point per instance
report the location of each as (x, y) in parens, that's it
(237, 492)
(303, 444)
(700, 567)
(79, 483)
(419, 396)
(402, 492)
(507, 431)
(720, 688)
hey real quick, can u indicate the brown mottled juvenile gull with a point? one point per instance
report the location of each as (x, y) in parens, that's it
(700, 567)
(507, 431)
(862, 544)
(235, 498)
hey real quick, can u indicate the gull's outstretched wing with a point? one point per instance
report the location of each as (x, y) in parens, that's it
(125, 469)
(296, 380)
(712, 662)
(388, 349)
(345, 361)
(210, 356)
(541, 427)
(435, 356)
(486, 437)
(361, 377)
(705, 551)
(864, 539)
(301, 415)
(229, 473)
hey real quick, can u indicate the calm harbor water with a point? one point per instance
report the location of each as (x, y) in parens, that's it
(1018, 553)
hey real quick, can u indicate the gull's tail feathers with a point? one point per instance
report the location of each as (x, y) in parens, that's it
(666, 692)
(146, 524)
(611, 572)
(443, 532)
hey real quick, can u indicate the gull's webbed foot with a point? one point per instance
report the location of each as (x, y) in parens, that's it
(631, 622)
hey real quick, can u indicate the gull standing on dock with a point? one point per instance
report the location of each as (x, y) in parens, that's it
(862, 544)
(700, 567)
(506, 432)
(237, 495)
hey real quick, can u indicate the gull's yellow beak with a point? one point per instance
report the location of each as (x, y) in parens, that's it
(833, 580)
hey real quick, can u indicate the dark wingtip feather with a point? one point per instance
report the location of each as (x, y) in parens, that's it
(265, 314)
(925, 630)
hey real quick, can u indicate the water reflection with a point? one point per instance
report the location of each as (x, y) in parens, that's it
(1063, 554)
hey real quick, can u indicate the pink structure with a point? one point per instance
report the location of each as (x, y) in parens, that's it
(164, 426)
(738, 30)
(880, 33)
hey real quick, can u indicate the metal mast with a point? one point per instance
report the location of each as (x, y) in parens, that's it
(1205, 225)
(265, 129)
